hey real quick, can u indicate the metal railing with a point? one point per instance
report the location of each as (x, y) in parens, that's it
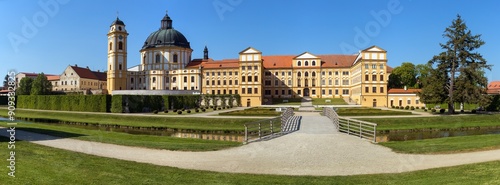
(266, 128)
(361, 129)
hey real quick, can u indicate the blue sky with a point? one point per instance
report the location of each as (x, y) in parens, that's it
(68, 32)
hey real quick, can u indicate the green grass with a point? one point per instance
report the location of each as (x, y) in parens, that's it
(143, 121)
(121, 138)
(65, 167)
(457, 106)
(255, 111)
(437, 122)
(446, 144)
(333, 101)
(291, 101)
(365, 111)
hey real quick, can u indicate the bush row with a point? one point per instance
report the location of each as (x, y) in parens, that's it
(85, 103)
(148, 103)
(4, 100)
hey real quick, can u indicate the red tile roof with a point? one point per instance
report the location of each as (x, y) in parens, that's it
(53, 78)
(389, 69)
(214, 64)
(337, 60)
(494, 87)
(277, 61)
(403, 91)
(87, 73)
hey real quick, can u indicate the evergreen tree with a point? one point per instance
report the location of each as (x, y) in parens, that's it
(5, 82)
(458, 61)
(41, 86)
(24, 86)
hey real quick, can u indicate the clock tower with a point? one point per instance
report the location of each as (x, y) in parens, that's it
(117, 56)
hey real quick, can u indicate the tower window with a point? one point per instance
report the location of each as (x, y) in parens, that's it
(110, 45)
(144, 59)
(120, 28)
(157, 59)
(175, 58)
(120, 45)
(119, 67)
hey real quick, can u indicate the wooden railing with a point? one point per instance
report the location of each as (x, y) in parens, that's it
(358, 128)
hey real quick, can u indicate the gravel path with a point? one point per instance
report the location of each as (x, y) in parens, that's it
(316, 149)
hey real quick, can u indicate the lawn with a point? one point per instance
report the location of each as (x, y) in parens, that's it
(457, 106)
(446, 144)
(254, 111)
(187, 122)
(328, 101)
(65, 167)
(288, 101)
(365, 111)
(121, 138)
(436, 122)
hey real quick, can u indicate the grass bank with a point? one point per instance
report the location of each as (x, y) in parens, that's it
(139, 120)
(364, 111)
(65, 167)
(120, 138)
(328, 101)
(254, 111)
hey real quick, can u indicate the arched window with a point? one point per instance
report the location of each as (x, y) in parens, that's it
(110, 45)
(306, 63)
(120, 45)
(299, 74)
(185, 79)
(144, 59)
(175, 58)
(306, 74)
(109, 67)
(131, 80)
(157, 59)
(192, 78)
(154, 79)
(313, 74)
(174, 80)
(313, 63)
(299, 63)
(119, 66)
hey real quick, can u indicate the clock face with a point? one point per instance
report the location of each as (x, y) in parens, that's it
(120, 37)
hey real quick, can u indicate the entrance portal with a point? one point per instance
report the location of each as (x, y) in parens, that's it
(306, 92)
(248, 102)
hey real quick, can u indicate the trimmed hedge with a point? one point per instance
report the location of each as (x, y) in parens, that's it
(85, 103)
(4, 100)
(147, 103)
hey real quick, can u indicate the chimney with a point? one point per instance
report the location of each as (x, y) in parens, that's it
(88, 67)
(76, 65)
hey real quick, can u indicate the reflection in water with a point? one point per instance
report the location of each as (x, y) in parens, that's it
(419, 135)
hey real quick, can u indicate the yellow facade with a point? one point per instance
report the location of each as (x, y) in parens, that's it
(117, 57)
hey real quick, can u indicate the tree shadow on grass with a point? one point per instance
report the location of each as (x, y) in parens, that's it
(36, 134)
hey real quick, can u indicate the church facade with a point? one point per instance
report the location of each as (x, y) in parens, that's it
(166, 64)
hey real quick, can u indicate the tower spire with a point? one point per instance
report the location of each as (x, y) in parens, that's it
(166, 22)
(205, 53)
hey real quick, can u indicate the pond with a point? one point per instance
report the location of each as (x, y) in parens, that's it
(406, 135)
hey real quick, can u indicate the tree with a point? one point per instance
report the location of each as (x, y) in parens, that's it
(41, 86)
(423, 73)
(25, 86)
(460, 62)
(5, 82)
(404, 75)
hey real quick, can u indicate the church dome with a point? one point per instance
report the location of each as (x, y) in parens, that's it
(166, 36)
(117, 22)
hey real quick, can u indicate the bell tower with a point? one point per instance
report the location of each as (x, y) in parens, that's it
(117, 56)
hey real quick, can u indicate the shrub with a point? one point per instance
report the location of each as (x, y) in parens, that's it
(397, 107)
(417, 107)
(197, 110)
(179, 112)
(425, 110)
(219, 108)
(433, 110)
(462, 111)
(474, 111)
(442, 111)
(166, 111)
(215, 108)
(407, 107)
(412, 108)
(175, 110)
(392, 106)
(155, 112)
(423, 107)
(401, 107)
(188, 111)
(203, 110)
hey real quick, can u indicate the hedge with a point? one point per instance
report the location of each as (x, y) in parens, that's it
(4, 100)
(84, 103)
(147, 103)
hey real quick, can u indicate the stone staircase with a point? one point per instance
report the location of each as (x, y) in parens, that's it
(306, 105)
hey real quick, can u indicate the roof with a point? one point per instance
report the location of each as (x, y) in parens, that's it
(494, 87)
(337, 60)
(29, 74)
(403, 91)
(87, 73)
(53, 78)
(389, 69)
(166, 36)
(226, 63)
(270, 62)
(118, 22)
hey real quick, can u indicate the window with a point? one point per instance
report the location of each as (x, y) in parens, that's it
(157, 58)
(267, 92)
(213, 91)
(140, 80)
(322, 82)
(154, 79)
(283, 73)
(323, 73)
(345, 91)
(119, 66)
(256, 78)
(330, 73)
(236, 83)
(336, 82)
(299, 92)
(267, 73)
(366, 78)
(218, 73)
(374, 66)
(276, 83)
(299, 74)
(230, 91)
(330, 82)
(208, 74)
(336, 73)
(243, 79)
(110, 45)
(235, 91)
(249, 90)
(192, 78)
(249, 78)
(336, 92)
(224, 73)
(323, 92)
(374, 77)
(120, 45)
(224, 82)
(382, 90)
(374, 89)
(230, 83)
(185, 79)
(230, 73)
(299, 63)
(345, 73)
(345, 82)
(242, 90)
(174, 79)
(381, 77)
(367, 89)
(366, 66)
(289, 82)
(313, 92)
(282, 92)
(313, 63)
(313, 74)
(267, 83)
(236, 73)
(175, 58)
(213, 82)
(417, 101)
(242, 67)
(185, 88)
(329, 91)
(289, 73)
(298, 83)
(213, 73)
(208, 82)
(218, 91)
(306, 74)
(144, 59)
(313, 82)
(306, 63)
(408, 102)
(289, 92)
(218, 82)
(276, 92)
(167, 80)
